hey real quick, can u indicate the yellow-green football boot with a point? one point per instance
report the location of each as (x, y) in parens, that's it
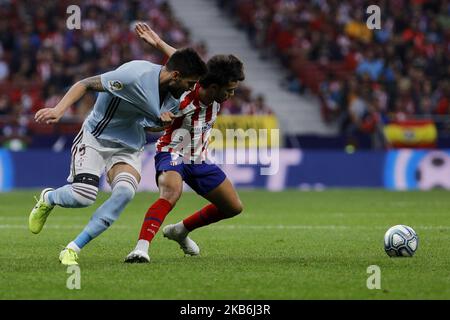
(40, 212)
(68, 257)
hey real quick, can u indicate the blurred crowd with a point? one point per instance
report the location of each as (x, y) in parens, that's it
(40, 58)
(363, 77)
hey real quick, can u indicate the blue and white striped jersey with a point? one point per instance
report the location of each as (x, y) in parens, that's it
(131, 99)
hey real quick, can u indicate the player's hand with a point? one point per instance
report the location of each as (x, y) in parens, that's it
(167, 118)
(144, 32)
(47, 115)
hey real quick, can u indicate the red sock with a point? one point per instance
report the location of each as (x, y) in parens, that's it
(205, 216)
(154, 218)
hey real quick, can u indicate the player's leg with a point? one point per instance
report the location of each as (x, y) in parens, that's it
(170, 183)
(86, 166)
(124, 179)
(210, 182)
(225, 204)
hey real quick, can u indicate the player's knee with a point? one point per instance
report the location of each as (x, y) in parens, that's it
(236, 208)
(232, 209)
(170, 192)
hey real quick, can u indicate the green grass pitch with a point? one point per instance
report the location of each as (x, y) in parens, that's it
(286, 245)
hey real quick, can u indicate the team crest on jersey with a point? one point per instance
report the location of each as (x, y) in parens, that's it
(115, 85)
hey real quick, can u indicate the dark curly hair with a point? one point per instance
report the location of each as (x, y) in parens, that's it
(223, 69)
(187, 62)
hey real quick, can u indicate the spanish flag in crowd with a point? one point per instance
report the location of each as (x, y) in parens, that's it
(411, 134)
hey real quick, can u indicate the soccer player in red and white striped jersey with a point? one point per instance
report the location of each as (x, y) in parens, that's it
(189, 134)
(182, 154)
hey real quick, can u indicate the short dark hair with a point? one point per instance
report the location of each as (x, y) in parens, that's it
(187, 62)
(223, 69)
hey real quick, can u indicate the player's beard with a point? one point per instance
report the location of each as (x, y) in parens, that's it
(176, 92)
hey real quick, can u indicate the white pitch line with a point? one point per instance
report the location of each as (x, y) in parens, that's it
(244, 227)
(20, 226)
(323, 227)
(25, 218)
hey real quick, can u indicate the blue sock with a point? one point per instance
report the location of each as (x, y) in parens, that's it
(82, 239)
(105, 215)
(62, 196)
(76, 195)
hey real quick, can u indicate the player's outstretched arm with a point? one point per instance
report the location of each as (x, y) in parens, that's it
(78, 90)
(151, 37)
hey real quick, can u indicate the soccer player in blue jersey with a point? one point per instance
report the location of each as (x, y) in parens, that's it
(112, 138)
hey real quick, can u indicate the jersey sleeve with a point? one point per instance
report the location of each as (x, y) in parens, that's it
(124, 82)
(172, 105)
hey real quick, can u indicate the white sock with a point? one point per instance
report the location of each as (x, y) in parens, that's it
(74, 247)
(181, 229)
(142, 245)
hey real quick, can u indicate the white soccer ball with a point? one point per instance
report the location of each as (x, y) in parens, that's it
(400, 241)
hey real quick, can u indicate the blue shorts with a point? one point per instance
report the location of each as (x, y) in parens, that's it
(201, 177)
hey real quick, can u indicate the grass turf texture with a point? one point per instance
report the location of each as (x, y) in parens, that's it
(287, 245)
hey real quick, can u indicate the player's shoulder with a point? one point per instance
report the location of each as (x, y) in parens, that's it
(187, 99)
(190, 98)
(139, 73)
(140, 66)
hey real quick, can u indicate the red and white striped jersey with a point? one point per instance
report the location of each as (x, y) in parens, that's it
(188, 135)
